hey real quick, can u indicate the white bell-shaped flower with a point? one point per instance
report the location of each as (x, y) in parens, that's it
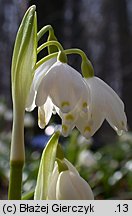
(70, 119)
(56, 86)
(84, 103)
(68, 185)
(104, 104)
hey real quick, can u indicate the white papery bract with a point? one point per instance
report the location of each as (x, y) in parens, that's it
(56, 86)
(68, 185)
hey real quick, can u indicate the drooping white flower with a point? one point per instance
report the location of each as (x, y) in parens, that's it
(70, 119)
(104, 104)
(56, 86)
(68, 185)
(84, 103)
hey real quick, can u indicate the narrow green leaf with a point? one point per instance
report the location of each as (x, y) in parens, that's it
(46, 168)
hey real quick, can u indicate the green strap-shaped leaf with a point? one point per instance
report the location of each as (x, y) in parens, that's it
(46, 168)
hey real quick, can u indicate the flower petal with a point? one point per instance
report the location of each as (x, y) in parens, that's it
(67, 86)
(71, 186)
(69, 119)
(113, 107)
(41, 72)
(42, 94)
(30, 104)
(70, 166)
(105, 103)
(97, 95)
(90, 121)
(38, 76)
(89, 125)
(116, 115)
(66, 129)
(45, 113)
(54, 178)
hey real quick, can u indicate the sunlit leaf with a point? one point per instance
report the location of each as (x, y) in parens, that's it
(46, 168)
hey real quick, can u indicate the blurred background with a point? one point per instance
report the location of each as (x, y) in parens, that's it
(103, 30)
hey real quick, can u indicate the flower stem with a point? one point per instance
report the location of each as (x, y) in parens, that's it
(87, 68)
(49, 43)
(17, 155)
(76, 51)
(53, 55)
(15, 183)
(44, 30)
